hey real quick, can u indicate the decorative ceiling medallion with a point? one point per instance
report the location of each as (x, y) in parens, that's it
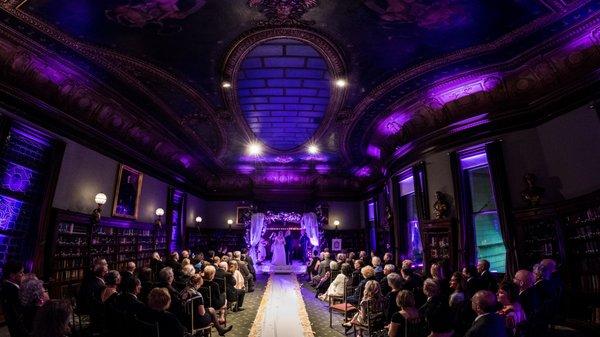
(283, 12)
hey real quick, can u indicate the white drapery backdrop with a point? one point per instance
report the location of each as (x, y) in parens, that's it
(310, 224)
(257, 222)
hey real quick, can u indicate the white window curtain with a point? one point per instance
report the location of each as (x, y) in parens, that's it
(310, 224)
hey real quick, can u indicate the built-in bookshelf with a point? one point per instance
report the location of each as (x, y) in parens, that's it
(438, 238)
(215, 239)
(538, 236)
(352, 240)
(76, 243)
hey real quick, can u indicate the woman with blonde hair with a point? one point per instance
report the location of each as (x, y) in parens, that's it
(371, 304)
(238, 292)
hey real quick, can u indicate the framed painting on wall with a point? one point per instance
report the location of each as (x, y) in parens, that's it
(336, 245)
(127, 192)
(244, 213)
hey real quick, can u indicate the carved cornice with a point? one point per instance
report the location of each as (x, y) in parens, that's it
(136, 74)
(243, 45)
(384, 88)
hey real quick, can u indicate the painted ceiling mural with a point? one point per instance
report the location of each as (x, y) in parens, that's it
(412, 67)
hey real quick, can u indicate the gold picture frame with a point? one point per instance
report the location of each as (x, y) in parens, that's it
(127, 193)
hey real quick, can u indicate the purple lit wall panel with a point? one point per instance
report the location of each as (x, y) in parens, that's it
(288, 94)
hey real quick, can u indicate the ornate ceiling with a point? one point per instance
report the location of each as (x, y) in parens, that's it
(144, 79)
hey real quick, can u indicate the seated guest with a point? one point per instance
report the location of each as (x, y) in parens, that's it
(202, 316)
(410, 279)
(371, 303)
(368, 274)
(91, 288)
(394, 283)
(237, 291)
(486, 279)
(173, 263)
(185, 254)
(437, 274)
(324, 283)
(128, 272)
(156, 264)
(218, 299)
(472, 282)
(9, 297)
(323, 268)
(513, 314)
(112, 279)
(362, 255)
(127, 301)
(187, 272)
(336, 287)
(147, 284)
(356, 274)
(385, 286)
(243, 268)
(435, 310)
(185, 262)
(311, 270)
(198, 262)
(529, 298)
(488, 323)
(159, 301)
(32, 296)
(460, 309)
(166, 278)
(52, 319)
(250, 263)
(388, 258)
(407, 314)
(376, 263)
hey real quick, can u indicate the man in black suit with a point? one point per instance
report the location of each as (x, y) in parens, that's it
(173, 262)
(288, 247)
(384, 285)
(128, 272)
(127, 301)
(473, 284)
(250, 264)
(488, 323)
(304, 242)
(9, 297)
(91, 288)
(486, 279)
(529, 298)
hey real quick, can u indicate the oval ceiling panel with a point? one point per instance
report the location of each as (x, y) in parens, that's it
(283, 88)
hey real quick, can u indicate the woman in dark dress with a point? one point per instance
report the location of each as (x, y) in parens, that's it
(159, 301)
(203, 316)
(406, 321)
(32, 296)
(395, 282)
(218, 300)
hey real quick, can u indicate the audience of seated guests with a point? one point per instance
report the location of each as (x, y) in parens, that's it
(394, 283)
(435, 311)
(159, 301)
(203, 316)
(487, 281)
(406, 315)
(368, 274)
(511, 310)
(336, 287)
(32, 296)
(52, 319)
(218, 300)
(237, 291)
(356, 274)
(385, 287)
(487, 323)
(9, 297)
(371, 304)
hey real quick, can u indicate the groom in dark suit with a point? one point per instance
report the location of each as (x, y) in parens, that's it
(488, 323)
(288, 247)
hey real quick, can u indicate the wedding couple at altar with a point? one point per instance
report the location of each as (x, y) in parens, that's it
(281, 248)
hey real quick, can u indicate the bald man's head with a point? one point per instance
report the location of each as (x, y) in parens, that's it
(484, 302)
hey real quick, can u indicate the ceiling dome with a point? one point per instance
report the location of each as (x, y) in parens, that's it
(283, 87)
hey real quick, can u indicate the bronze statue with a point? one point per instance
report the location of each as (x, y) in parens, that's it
(441, 207)
(532, 194)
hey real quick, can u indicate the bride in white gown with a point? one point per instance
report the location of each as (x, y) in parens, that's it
(278, 249)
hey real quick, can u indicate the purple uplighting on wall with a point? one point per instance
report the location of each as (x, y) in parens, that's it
(363, 171)
(474, 160)
(457, 89)
(402, 150)
(373, 151)
(9, 211)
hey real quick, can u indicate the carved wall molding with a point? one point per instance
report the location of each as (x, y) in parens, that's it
(244, 44)
(135, 73)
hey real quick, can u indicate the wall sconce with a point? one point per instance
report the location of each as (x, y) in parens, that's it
(198, 221)
(229, 222)
(100, 199)
(159, 213)
(336, 223)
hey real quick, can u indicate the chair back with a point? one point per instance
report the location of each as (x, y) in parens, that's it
(414, 328)
(205, 291)
(189, 309)
(222, 284)
(145, 329)
(373, 312)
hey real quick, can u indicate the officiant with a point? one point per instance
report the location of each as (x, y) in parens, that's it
(304, 242)
(288, 247)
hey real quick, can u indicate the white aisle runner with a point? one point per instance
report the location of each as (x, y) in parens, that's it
(282, 312)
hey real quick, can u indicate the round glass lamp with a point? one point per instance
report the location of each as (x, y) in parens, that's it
(100, 198)
(198, 219)
(336, 223)
(159, 212)
(230, 222)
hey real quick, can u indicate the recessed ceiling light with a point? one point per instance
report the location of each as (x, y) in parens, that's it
(341, 83)
(226, 85)
(255, 149)
(313, 149)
